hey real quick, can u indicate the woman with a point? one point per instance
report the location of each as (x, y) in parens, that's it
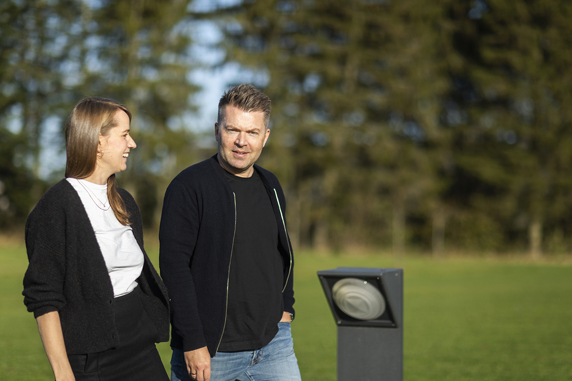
(99, 304)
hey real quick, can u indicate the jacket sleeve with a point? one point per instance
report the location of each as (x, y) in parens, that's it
(45, 246)
(178, 236)
(288, 293)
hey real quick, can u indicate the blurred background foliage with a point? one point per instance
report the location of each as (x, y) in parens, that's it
(404, 125)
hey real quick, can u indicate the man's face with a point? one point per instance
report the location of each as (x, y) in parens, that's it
(241, 136)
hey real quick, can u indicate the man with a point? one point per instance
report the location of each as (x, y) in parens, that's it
(226, 256)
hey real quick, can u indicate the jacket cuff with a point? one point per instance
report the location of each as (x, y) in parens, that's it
(190, 343)
(288, 304)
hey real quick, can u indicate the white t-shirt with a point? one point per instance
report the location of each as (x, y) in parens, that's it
(123, 256)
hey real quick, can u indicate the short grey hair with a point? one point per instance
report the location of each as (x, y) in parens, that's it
(246, 98)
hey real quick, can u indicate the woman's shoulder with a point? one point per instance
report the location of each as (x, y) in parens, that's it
(58, 201)
(130, 203)
(57, 195)
(126, 196)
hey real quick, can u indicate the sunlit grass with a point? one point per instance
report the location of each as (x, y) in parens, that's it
(484, 318)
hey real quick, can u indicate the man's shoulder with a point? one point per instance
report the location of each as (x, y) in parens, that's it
(204, 168)
(202, 174)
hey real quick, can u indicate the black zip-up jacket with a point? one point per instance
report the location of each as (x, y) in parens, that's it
(67, 272)
(196, 235)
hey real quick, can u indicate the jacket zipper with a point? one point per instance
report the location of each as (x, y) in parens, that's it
(287, 240)
(228, 276)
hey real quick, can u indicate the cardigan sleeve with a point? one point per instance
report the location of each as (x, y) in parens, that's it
(45, 246)
(178, 234)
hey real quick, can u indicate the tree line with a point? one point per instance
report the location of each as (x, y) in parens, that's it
(399, 124)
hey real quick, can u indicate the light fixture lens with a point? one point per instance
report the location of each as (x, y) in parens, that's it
(358, 299)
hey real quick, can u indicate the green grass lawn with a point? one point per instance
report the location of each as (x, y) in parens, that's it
(465, 319)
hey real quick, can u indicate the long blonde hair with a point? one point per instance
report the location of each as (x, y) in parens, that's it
(89, 119)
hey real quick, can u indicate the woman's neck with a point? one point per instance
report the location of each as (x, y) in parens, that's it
(97, 177)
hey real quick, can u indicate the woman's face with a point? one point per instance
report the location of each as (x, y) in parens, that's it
(114, 147)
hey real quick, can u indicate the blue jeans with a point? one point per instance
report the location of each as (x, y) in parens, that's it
(274, 362)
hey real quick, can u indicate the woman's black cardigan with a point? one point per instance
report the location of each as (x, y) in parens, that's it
(67, 272)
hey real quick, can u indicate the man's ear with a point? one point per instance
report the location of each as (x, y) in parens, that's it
(266, 137)
(216, 131)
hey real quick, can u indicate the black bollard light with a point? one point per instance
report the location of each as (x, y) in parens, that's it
(367, 304)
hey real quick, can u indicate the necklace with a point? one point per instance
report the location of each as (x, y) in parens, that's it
(89, 193)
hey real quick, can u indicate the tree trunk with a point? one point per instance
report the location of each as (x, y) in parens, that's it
(295, 225)
(438, 233)
(398, 231)
(321, 235)
(535, 238)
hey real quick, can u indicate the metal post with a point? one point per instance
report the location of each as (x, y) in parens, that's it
(370, 349)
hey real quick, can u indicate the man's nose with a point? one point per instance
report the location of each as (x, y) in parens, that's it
(240, 139)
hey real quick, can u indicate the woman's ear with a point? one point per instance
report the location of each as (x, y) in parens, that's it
(100, 146)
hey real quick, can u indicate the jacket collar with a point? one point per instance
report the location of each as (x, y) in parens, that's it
(220, 172)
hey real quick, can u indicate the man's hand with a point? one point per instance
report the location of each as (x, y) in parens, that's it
(286, 318)
(199, 364)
